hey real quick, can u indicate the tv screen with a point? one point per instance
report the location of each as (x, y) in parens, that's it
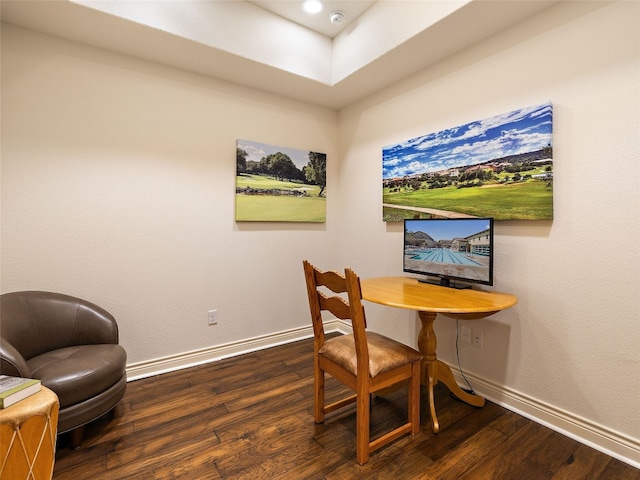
(450, 250)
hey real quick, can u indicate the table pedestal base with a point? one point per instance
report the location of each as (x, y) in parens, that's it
(434, 370)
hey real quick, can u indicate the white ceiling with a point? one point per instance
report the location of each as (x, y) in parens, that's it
(321, 22)
(251, 43)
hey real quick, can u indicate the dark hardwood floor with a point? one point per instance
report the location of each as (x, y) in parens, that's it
(250, 417)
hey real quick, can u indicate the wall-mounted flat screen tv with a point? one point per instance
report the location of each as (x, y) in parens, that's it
(448, 251)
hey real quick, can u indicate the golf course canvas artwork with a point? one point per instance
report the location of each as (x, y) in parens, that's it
(279, 184)
(500, 167)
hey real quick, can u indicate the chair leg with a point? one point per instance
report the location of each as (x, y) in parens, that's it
(75, 437)
(318, 397)
(363, 417)
(414, 398)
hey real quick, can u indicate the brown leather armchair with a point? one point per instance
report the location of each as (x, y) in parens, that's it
(72, 346)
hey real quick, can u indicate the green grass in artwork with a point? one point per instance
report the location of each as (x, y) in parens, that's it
(278, 208)
(531, 200)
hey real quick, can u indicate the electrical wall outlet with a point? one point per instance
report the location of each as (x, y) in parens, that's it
(478, 339)
(465, 335)
(213, 317)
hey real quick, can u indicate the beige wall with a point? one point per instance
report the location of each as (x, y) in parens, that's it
(571, 347)
(118, 187)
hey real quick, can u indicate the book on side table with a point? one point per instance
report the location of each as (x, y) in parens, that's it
(14, 389)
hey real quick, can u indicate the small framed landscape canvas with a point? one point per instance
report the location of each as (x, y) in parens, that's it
(279, 184)
(500, 167)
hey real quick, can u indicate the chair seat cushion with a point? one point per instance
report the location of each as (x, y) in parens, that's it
(80, 372)
(384, 353)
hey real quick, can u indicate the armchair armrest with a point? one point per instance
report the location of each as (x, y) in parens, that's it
(11, 362)
(94, 325)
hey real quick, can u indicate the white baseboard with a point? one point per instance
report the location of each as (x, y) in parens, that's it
(149, 368)
(598, 437)
(603, 439)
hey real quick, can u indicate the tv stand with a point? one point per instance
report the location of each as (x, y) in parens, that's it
(445, 282)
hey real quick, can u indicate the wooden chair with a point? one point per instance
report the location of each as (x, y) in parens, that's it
(364, 361)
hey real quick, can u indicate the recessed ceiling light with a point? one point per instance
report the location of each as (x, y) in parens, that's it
(312, 6)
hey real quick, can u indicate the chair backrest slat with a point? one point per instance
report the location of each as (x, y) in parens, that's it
(334, 281)
(337, 306)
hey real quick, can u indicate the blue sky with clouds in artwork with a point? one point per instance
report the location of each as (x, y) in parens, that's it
(257, 150)
(519, 131)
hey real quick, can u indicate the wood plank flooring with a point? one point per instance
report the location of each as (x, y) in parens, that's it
(250, 417)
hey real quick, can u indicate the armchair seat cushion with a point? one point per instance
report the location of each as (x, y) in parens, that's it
(79, 372)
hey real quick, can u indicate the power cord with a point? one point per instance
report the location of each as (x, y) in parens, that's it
(470, 390)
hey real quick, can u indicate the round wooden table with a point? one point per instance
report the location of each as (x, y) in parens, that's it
(429, 300)
(28, 437)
